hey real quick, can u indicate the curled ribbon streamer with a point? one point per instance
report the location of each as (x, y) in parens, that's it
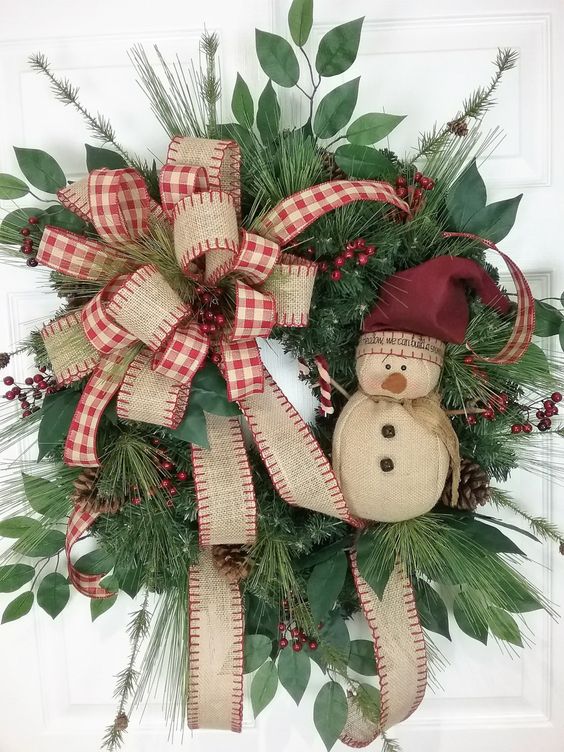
(80, 521)
(524, 326)
(200, 194)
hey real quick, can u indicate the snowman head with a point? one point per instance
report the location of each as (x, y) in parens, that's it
(398, 364)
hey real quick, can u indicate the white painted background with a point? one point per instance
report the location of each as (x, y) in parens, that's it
(56, 679)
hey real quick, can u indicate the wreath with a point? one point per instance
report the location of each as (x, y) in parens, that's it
(247, 535)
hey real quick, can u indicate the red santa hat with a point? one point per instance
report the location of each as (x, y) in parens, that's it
(431, 299)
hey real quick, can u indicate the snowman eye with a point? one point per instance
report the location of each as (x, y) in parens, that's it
(388, 366)
(404, 368)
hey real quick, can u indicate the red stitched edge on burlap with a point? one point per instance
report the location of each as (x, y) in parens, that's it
(312, 445)
(65, 200)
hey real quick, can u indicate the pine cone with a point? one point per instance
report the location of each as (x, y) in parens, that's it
(86, 494)
(121, 722)
(4, 359)
(331, 167)
(232, 561)
(459, 127)
(474, 487)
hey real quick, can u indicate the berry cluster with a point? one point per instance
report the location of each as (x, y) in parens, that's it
(27, 247)
(497, 403)
(210, 317)
(31, 392)
(550, 410)
(169, 476)
(355, 249)
(294, 633)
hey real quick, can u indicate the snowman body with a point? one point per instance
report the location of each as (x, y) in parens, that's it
(390, 453)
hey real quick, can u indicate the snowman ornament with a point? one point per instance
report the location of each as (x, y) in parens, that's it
(393, 444)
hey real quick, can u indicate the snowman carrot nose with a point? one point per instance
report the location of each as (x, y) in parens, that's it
(395, 383)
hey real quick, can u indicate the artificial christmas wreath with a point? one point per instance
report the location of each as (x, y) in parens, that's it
(249, 536)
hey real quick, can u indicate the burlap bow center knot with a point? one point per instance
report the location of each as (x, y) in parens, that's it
(201, 202)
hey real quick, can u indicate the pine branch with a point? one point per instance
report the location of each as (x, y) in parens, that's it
(210, 84)
(539, 525)
(474, 107)
(127, 679)
(67, 93)
(390, 745)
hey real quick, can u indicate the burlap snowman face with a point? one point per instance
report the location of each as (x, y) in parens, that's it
(398, 364)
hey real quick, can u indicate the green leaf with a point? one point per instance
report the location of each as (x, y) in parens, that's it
(294, 670)
(48, 545)
(561, 337)
(53, 594)
(209, 391)
(515, 528)
(15, 527)
(335, 633)
(362, 658)
(431, 607)
(15, 576)
(364, 162)
(192, 428)
(330, 713)
(534, 360)
(257, 649)
(98, 561)
(59, 216)
(376, 578)
(110, 582)
(470, 619)
(325, 583)
(491, 538)
(277, 58)
(264, 686)
(235, 132)
(268, 114)
(56, 416)
(260, 617)
(14, 221)
(466, 196)
(98, 606)
(335, 109)
(19, 607)
(372, 127)
(39, 493)
(504, 627)
(12, 187)
(41, 169)
(97, 157)
(496, 220)
(129, 580)
(372, 694)
(548, 319)
(338, 48)
(300, 21)
(242, 103)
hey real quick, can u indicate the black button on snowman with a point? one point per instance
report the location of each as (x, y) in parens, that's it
(393, 443)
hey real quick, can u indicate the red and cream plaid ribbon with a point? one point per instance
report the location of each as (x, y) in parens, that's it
(138, 338)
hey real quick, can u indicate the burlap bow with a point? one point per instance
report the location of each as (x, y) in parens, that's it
(139, 322)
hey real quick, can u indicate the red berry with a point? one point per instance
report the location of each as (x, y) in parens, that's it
(296, 647)
(166, 483)
(33, 220)
(29, 381)
(219, 319)
(206, 328)
(417, 194)
(169, 504)
(471, 420)
(351, 245)
(295, 632)
(8, 380)
(401, 192)
(155, 442)
(336, 275)
(527, 427)
(215, 358)
(323, 266)
(303, 638)
(10, 395)
(547, 422)
(429, 186)
(555, 410)
(371, 250)
(26, 413)
(24, 405)
(417, 177)
(16, 390)
(516, 428)
(136, 501)
(540, 414)
(38, 377)
(209, 316)
(32, 262)
(173, 490)
(548, 404)
(401, 181)
(206, 298)
(556, 397)
(310, 251)
(488, 414)
(542, 426)
(468, 359)
(213, 328)
(348, 254)
(281, 627)
(339, 261)
(43, 384)
(313, 644)
(182, 475)
(27, 249)
(424, 182)
(360, 243)
(25, 231)
(362, 259)
(283, 643)
(166, 465)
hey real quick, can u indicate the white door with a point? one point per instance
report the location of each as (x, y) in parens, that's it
(421, 59)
